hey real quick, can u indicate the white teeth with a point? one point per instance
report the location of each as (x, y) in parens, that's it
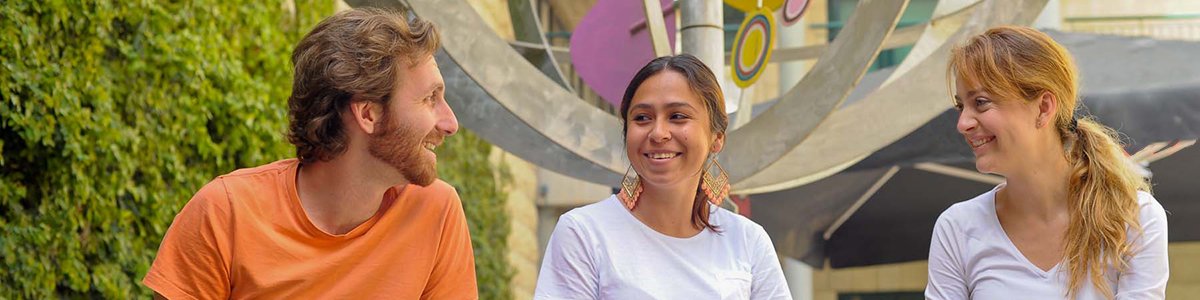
(661, 155)
(429, 146)
(980, 142)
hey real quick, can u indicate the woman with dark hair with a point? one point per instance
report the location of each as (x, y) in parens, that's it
(1072, 219)
(663, 235)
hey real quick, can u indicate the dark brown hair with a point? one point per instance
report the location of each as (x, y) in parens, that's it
(704, 84)
(355, 55)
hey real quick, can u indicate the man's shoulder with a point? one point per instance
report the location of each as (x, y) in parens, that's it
(257, 182)
(272, 169)
(439, 187)
(438, 191)
(243, 190)
(438, 196)
(255, 179)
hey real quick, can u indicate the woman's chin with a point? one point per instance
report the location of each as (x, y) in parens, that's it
(985, 166)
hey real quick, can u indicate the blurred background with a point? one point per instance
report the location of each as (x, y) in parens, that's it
(112, 114)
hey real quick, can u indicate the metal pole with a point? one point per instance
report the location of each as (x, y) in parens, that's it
(658, 30)
(1051, 16)
(702, 33)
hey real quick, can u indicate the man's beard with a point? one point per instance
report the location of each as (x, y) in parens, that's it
(401, 146)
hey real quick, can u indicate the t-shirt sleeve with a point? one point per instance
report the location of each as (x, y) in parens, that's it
(453, 274)
(567, 267)
(946, 274)
(1146, 277)
(768, 282)
(193, 259)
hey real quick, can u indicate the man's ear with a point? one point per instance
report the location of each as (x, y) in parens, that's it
(1047, 105)
(367, 115)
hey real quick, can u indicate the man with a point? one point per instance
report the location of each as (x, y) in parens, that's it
(360, 213)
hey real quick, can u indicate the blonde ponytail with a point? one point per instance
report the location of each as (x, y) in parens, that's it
(1103, 189)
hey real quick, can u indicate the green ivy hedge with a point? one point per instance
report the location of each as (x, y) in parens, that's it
(113, 113)
(463, 162)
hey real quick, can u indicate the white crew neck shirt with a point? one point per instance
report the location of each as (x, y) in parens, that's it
(601, 251)
(970, 257)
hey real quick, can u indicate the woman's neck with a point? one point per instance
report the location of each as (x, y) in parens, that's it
(1039, 191)
(668, 209)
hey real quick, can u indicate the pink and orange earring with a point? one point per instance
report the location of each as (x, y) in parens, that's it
(715, 187)
(631, 188)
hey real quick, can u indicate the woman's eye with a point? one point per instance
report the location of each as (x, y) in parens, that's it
(639, 118)
(678, 116)
(982, 101)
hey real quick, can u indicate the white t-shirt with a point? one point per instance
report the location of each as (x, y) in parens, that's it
(601, 251)
(971, 257)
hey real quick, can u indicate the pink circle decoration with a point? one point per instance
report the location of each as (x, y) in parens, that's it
(792, 10)
(608, 46)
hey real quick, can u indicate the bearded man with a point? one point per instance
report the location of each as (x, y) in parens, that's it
(360, 212)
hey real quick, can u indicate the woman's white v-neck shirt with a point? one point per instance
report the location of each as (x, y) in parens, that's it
(601, 251)
(970, 257)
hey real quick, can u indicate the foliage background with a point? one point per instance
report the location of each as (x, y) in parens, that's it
(463, 162)
(113, 113)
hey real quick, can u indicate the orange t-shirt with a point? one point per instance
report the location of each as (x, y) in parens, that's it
(245, 235)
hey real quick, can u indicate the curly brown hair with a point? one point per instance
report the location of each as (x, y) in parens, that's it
(355, 55)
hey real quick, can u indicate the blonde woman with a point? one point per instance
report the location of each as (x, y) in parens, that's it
(1072, 219)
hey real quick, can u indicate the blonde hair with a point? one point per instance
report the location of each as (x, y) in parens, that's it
(1022, 63)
